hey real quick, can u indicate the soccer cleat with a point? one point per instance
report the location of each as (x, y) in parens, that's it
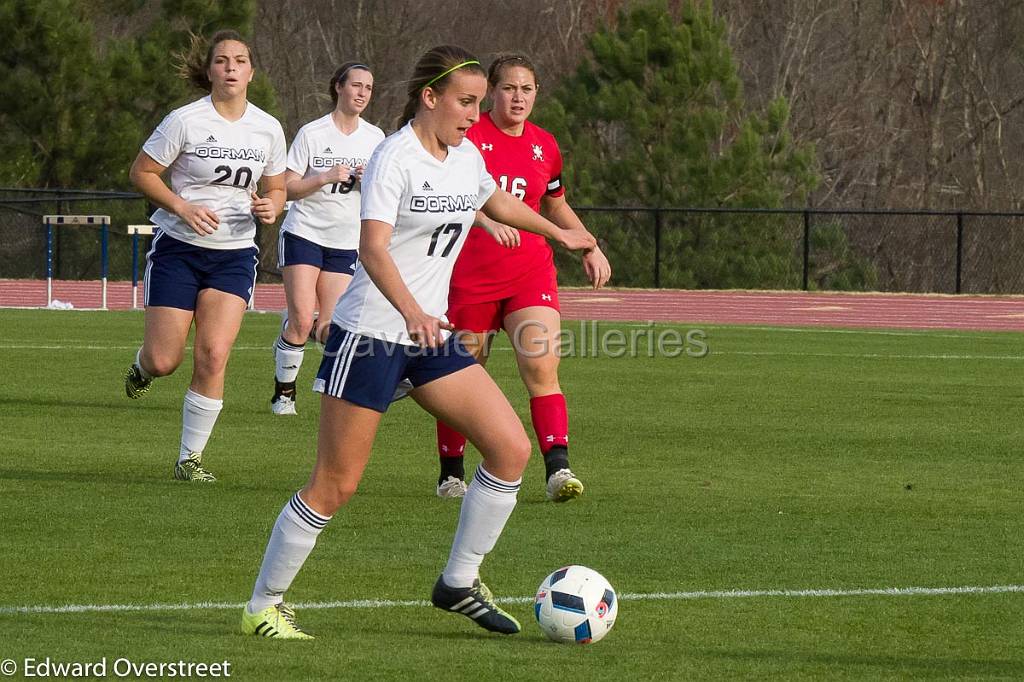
(474, 602)
(451, 487)
(564, 486)
(283, 404)
(276, 621)
(135, 385)
(191, 469)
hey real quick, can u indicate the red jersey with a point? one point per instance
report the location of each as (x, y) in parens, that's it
(528, 167)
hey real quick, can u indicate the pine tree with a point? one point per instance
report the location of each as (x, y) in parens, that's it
(655, 116)
(74, 112)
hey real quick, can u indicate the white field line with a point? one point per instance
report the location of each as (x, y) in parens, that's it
(628, 596)
(869, 356)
(713, 352)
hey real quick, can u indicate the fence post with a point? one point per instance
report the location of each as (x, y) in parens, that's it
(104, 262)
(49, 263)
(135, 268)
(657, 248)
(959, 249)
(807, 248)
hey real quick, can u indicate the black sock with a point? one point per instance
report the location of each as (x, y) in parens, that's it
(284, 388)
(452, 466)
(556, 458)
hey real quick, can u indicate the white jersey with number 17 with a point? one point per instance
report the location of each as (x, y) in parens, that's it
(431, 205)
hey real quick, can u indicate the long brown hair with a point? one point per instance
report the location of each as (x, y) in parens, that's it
(431, 65)
(195, 61)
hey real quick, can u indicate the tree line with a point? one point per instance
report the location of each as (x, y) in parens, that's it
(734, 103)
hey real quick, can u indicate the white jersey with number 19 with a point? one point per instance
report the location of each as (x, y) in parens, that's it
(431, 205)
(217, 164)
(330, 215)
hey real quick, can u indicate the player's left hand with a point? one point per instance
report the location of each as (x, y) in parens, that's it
(263, 208)
(506, 235)
(597, 267)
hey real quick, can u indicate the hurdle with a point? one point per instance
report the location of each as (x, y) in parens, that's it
(135, 231)
(52, 220)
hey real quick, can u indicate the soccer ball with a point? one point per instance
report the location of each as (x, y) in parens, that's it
(575, 604)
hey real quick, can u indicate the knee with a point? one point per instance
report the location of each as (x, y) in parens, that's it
(328, 496)
(541, 378)
(516, 452)
(300, 326)
(211, 360)
(161, 365)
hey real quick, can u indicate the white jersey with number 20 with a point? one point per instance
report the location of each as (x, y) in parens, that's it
(431, 205)
(217, 164)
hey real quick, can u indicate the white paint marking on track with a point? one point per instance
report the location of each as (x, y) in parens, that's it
(628, 596)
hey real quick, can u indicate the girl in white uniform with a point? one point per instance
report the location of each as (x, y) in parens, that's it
(319, 237)
(202, 266)
(421, 190)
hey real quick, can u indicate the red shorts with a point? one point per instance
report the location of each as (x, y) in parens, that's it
(489, 316)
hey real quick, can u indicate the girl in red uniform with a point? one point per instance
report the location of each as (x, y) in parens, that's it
(494, 287)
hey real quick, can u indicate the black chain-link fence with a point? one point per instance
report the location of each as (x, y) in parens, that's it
(688, 248)
(811, 249)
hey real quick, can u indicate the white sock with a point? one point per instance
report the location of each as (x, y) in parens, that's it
(138, 363)
(488, 503)
(287, 360)
(291, 541)
(198, 415)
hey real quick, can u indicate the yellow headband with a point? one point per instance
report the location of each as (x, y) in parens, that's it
(457, 66)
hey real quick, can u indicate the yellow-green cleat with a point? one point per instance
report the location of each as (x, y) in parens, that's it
(276, 621)
(564, 486)
(191, 469)
(135, 385)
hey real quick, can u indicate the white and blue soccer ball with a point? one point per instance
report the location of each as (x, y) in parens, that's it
(576, 604)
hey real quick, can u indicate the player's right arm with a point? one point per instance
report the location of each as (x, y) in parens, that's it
(145, 175)
(299, 183)
(374, 239)
(505, 208)
(300, 187)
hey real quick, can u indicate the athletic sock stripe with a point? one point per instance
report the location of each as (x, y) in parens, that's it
(286, 345)
(494, 484)
(310, 517)
(306, 514)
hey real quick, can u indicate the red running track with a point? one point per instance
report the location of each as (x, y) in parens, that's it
(786, 309)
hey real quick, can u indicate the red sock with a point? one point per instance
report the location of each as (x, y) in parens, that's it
(550, 421)
(450, 443)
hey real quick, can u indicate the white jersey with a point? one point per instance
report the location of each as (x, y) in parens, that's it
(431, 205)
(330, 215)
(216, 163)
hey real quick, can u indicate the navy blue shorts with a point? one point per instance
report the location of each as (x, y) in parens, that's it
(365, 371)
(294, 250)
(178, 271)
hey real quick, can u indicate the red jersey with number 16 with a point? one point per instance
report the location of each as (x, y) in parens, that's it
(528, 167)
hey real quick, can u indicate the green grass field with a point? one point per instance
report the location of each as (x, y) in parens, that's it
(785, 460)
